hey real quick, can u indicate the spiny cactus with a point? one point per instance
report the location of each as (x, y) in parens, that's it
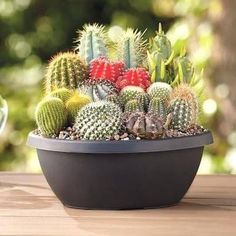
(98, 120)
(129, 93)
(160, 90)
(51, 116)
(65, 70)
(97, 89)
(133, 106)
(158, 107)
(131, 48)
(62, 93)
(75, 103)
(134, 76)
(91, 42)
(143, 125)
(143, 99)
(114, 98)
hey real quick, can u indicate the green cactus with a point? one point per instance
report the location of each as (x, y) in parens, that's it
(181, 114)
(62, 93)
(158, 107)
(143, 99)
(98, 120)
(51, 116)
(97, 89)
(65, 70)
(129, 93)
(133, 106)
(160, 90)
(91, 42)
(114, 98)
(131, 48)
(75, 103)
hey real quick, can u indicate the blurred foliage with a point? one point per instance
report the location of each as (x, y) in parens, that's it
(33, 30)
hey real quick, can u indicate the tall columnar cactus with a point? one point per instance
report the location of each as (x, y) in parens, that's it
(91, 42)
(143, 99)
(51, 116)
(75, 103)
(158, 107)
(98, 120)
(65, 70)
(62, 93)
(160, 90)
(131, 48)
(133, 106)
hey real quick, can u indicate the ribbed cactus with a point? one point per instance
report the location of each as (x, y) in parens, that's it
(181, 114)
(131, 48)
(158, 107)
(51, 116)
(62, 93)
(129, 93)
(97, 89)
(91, 42)
(133, 106)
(98, 120)
(143, 99)
(65, 70)
(160, 90)
(75, 103)
(114, 98)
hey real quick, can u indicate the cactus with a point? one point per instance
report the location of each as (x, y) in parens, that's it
(75, 103)
(114, 98)
(97, 89)
(160, 90)
(143, 125)
(91, 42)
(133, 106)
(158, 107)
(129, 93)
(101, 68)
(143, 99)
(136, 77)
(62, 93)
(131, 48)
(51, 116)
(98, 120)
(65, 70)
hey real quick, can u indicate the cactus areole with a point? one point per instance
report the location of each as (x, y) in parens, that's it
(118, 127)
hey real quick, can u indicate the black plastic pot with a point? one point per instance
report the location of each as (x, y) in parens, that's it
(120, 174)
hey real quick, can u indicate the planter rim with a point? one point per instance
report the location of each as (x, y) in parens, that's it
(121, 146)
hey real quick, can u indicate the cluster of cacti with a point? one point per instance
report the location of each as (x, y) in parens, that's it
(98, 120)
(149, 85)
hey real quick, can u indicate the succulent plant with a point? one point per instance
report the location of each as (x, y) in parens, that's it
(143, 99)
(75, 103)
(97, 89)
(63, 93)
(65, 70)
(133, 106)
(134, 76)
(160, 90)
(131, 48)
(158, 107)
(51, 116)
(91, 42)
(143, 125)
(101, 68)
(98, 120)
(129, 93)
(115, 99)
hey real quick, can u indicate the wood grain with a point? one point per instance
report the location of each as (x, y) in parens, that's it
(28, 207)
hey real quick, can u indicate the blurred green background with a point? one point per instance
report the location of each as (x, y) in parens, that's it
(31, 31)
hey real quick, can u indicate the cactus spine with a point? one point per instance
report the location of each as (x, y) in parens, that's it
(51, 116)
(91, 42)
(143, 99)
(129, 93)
(65, 70)
(158, 107)
(62, 93)
(133, 106)
(160, 90)
(114, 98)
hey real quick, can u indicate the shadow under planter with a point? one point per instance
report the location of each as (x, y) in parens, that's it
(120, 174)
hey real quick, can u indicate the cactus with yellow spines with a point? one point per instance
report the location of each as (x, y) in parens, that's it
(63, 93)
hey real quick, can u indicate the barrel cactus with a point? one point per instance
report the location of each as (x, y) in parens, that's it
(62, 93)
(114, 98)
(65, 70)
(129, 93)
(133, 106)
(98, 120)
(160, 90)
(143, 99)
(158, 107)
(51, 116)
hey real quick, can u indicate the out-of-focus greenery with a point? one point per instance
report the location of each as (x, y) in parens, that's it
(31, 31)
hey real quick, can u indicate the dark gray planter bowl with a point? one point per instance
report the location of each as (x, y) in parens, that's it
(120, 174)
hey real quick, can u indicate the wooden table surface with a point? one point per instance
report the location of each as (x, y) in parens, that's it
(28, 207)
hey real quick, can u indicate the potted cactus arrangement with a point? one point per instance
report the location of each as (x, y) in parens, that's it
(118, 125)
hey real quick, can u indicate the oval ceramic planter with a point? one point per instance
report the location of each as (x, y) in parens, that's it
(120, 174)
